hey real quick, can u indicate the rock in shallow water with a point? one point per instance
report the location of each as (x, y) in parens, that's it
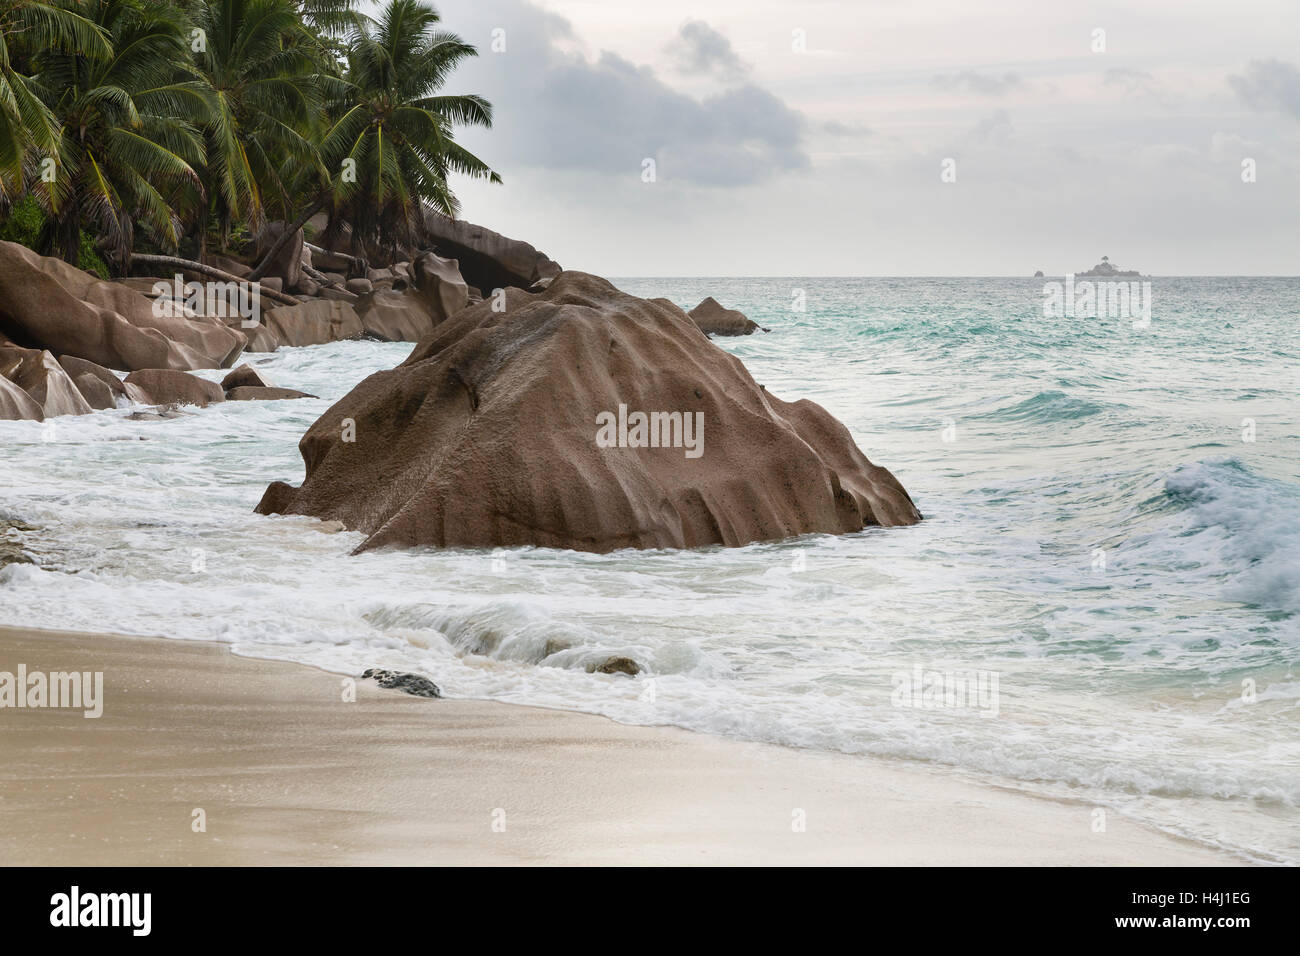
(714, 318)
(585, 418)
(616, 665)
(411, 683)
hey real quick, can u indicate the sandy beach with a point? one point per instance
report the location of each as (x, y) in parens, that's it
(282, 770)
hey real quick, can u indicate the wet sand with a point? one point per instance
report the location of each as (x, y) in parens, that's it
(282, 770)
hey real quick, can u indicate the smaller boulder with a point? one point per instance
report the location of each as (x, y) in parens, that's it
(616, 665)
(287, 265)
(313, 323)
(38, 374)
(16, 405)
(716, 319)
(77, 367)
(360, 286)
(440, 285)
(267, 393)
(164, 386)
(246, 375)
(394, 317)
(95, 392)
(411, 683)
(158, 414)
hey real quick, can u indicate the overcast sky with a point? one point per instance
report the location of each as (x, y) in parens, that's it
(808, 138)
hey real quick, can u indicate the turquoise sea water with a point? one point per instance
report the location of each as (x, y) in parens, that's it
(1112, 533)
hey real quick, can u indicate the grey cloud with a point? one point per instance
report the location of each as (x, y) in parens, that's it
(996, 128)
(1140, 83)
(558, 110)
(1270, 84)
(836, 128)
(701, 49)
(982, 84)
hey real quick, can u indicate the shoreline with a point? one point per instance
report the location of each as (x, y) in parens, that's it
(282, 771)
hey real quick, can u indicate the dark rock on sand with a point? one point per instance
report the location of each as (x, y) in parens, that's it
(47, 304)
(411, 683)
(716, 319)
(487, 435)
(169, 387)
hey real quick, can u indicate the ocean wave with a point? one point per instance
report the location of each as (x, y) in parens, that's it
(1248, 523)
(1045, 408)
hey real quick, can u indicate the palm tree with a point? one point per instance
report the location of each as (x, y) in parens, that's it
(28, 128)
(391, 147)
(264, 76)
(129, 143)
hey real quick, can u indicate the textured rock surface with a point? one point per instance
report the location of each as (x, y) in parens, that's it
(487, 435)
(440, 285)
(168, 387)
(16, 405)
(246, 375)
(78, 368)
(313, 323)
(94, 391)
(46, 303)
(394, 317)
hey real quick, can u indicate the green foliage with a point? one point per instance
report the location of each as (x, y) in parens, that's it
(173, 122)
(25, 223)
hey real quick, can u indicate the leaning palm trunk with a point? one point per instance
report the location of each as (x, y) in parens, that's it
(189, 265)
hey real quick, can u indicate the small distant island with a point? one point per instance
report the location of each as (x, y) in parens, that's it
(1038, 274)
(1104, 268)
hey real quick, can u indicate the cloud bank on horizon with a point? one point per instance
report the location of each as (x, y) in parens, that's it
(843, 138)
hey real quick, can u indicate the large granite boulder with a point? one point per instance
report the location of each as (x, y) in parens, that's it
(581, 417)
(47, 304)
(487, 259)
(38, 374)
(313, 323)
(713, 318)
